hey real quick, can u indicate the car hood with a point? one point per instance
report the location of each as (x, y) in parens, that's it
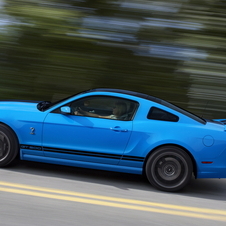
(18, 105)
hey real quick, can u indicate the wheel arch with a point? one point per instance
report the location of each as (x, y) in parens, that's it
(176, 145)
(15, 144)
(12, 130)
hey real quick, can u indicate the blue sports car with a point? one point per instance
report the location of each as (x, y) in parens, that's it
(116, 130)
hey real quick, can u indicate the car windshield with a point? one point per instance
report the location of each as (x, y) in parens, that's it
(45, 105)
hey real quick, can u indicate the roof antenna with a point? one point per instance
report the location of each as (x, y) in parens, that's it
(207, 102)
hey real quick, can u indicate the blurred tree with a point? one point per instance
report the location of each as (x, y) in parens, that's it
(171, 49)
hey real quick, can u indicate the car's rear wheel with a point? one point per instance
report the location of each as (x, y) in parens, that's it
(169, 168)
(8, 145)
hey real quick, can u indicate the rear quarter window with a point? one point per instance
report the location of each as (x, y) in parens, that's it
(162, 115)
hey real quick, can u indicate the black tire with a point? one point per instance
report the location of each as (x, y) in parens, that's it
(9, 146)
(169, 168)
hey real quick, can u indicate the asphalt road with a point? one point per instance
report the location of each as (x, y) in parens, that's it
(49, 195)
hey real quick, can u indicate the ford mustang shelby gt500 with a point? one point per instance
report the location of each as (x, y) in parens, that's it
(115, 130)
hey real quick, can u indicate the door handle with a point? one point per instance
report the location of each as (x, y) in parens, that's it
(118, 129)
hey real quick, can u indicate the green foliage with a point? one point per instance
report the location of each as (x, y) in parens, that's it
(171, 49)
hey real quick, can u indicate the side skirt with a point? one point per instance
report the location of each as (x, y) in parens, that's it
(90, 165)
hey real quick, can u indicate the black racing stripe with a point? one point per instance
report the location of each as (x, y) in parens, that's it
(82, 153)
(132, 158)
(97, 154)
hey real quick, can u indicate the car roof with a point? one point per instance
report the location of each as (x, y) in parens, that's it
(151, 98)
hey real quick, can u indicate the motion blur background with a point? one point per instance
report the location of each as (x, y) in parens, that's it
(172, 49)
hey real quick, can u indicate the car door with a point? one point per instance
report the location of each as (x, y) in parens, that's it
(84, 138)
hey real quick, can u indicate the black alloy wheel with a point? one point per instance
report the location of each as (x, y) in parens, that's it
(169, 168)
(8, 145)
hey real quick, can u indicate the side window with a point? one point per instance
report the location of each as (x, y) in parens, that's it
(101, 106)
(104, 107)
(159, 114)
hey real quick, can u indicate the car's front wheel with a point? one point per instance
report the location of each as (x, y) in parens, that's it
(169, 168)
(8, 145)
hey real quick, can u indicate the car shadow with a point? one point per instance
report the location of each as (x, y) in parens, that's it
(214, 189)
(122, 180)
(206, 188)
